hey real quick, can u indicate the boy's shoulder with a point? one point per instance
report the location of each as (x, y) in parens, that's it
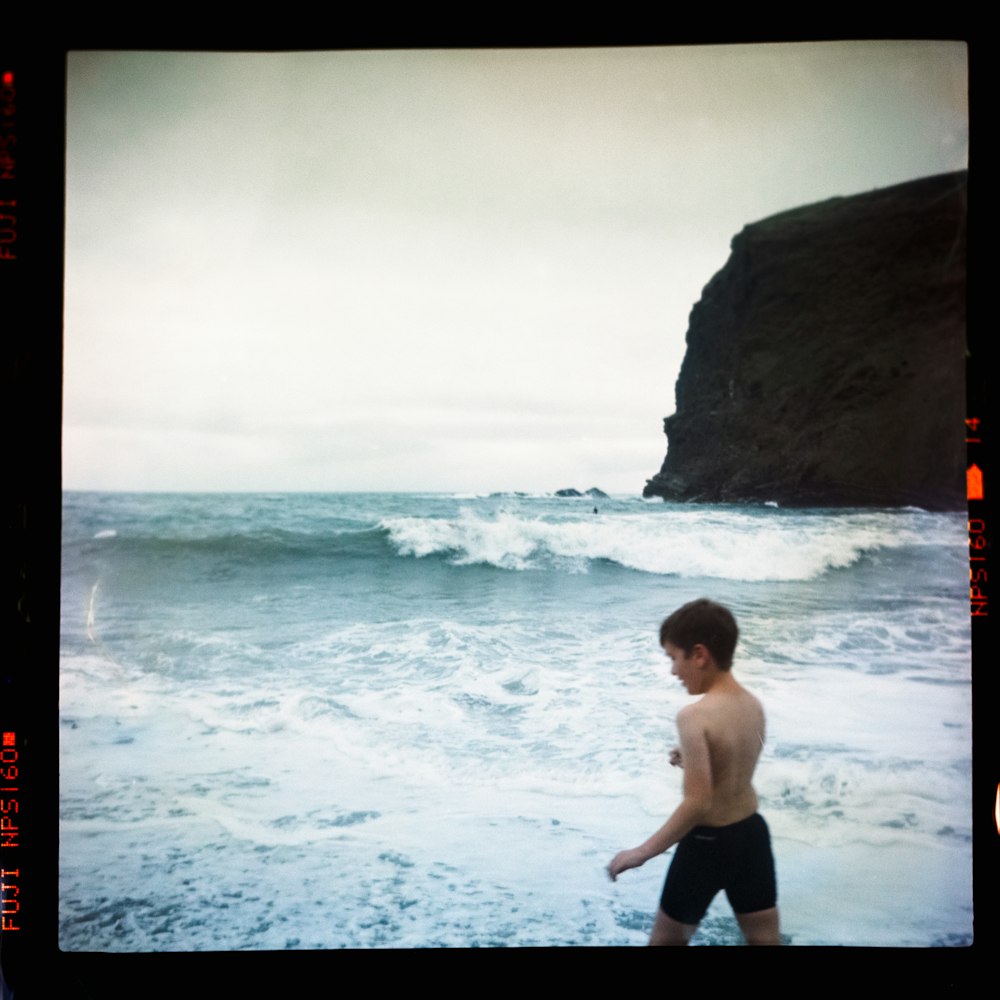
(726, 697)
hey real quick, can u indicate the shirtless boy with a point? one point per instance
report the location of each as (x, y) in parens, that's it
(722, 841)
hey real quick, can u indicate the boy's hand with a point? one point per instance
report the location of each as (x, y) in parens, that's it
(624, 860)
(676, 760)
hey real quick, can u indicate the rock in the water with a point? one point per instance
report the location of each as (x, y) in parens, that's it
(826, 361)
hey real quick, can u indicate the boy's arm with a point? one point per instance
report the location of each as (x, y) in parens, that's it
(695, 804)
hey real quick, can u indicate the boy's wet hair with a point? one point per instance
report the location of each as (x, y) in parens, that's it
(703, 621)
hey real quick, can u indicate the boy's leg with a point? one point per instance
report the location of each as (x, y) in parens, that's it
(666, 931)
(761, 927)
(689, 889)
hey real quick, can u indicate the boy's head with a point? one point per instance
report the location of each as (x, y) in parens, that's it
(703, 622)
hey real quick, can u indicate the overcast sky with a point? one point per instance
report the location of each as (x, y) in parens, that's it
(438, 270)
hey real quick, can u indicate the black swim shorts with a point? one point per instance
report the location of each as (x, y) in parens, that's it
(736, 858)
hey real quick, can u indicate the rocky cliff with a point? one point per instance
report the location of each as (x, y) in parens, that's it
(825, 362)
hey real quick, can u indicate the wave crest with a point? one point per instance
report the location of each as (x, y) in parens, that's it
(724, 545)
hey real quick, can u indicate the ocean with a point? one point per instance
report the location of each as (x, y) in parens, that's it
(324, 721)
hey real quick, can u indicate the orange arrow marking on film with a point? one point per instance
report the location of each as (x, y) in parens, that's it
(974, 483)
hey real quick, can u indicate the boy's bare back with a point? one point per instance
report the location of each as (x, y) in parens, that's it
(731, 721)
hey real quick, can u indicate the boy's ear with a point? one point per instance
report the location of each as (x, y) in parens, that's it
(700, 653)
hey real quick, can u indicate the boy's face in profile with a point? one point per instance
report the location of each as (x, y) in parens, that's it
(687, 667)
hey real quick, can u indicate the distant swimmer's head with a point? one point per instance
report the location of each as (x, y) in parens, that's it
(702, 623)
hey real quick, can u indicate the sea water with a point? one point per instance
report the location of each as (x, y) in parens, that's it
(304, 721)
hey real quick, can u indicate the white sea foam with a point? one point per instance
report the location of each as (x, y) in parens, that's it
(724, 545)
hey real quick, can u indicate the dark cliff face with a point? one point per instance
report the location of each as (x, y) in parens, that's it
(825, 362)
